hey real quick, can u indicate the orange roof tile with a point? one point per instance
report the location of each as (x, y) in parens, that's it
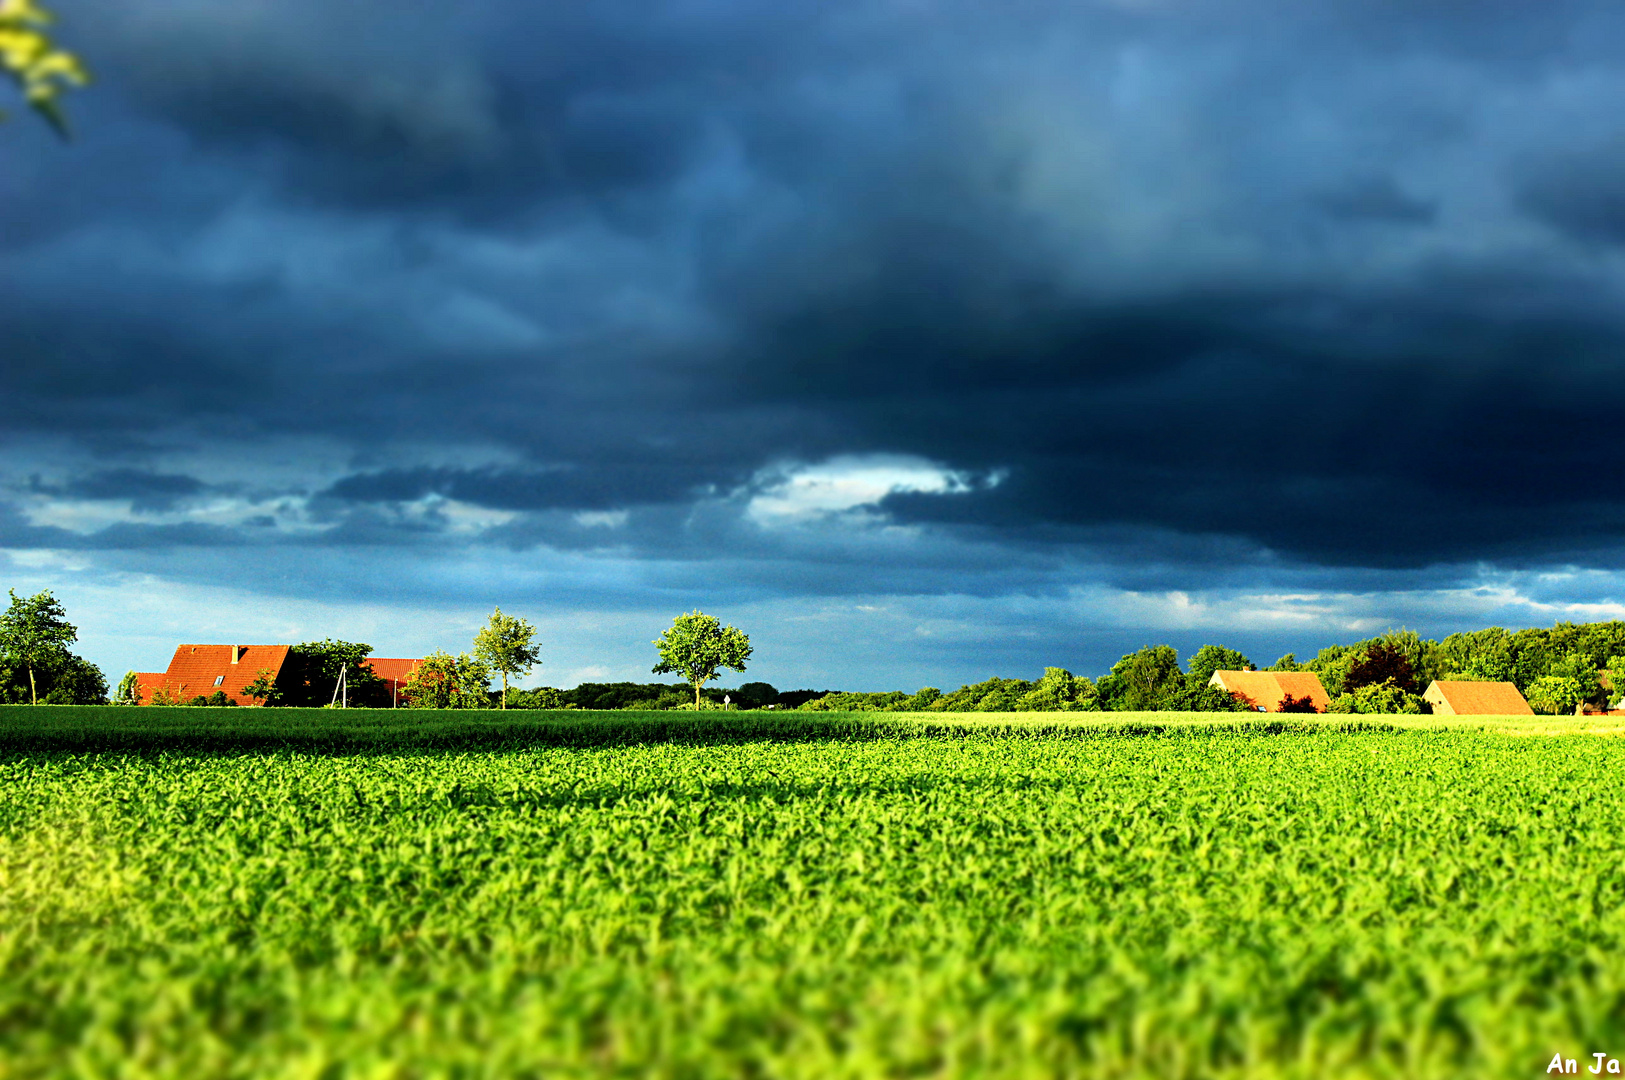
(1452, 698)
(1268, 688)
(391, 669)
(202, 669)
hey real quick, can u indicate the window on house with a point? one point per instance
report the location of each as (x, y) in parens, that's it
(218, 679)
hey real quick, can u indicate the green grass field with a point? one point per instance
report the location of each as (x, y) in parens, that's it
(242, 892)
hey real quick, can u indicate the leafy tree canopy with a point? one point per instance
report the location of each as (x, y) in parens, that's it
(698, 647)
(1383, 661)
(1141, 681)
(1555, 694)
(34, 637)
(1382, 698)
(1210, 658)
(505, 645)
(444, 681)
(312, 674)
(32, 61)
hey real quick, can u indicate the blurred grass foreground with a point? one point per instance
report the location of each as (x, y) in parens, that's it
(192, 892)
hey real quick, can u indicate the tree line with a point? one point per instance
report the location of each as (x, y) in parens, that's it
(1558, 669)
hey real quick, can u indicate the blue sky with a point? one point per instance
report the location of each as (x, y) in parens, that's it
(924, 341)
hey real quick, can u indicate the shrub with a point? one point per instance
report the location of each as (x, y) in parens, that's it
(1384, 698)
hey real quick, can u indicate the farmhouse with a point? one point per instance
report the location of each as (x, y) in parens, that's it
(1267, 689)
(1450, 698)
(200, 670)
(392, 671)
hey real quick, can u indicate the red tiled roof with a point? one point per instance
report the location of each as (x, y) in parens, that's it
(393, 671)
(145, 683)
(202, 669)
(1268, 688)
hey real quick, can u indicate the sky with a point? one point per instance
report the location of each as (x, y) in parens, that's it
(922, 340)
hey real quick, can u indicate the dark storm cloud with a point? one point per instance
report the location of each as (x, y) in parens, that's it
(509, 489)
(145, 490)
(1580, 193)
(18, 533)
(1378, 198)
(1317, 280)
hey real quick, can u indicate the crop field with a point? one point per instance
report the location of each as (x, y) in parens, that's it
(184, 893)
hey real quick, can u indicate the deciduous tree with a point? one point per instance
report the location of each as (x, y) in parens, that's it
(444, 681)
(1556, 694)
(129, 690)
(35, 634)
(1142, 681)
(1383, 662)
(1210, 658)
(264, 688)
(504, 644)
(698, 647)
(313, 671)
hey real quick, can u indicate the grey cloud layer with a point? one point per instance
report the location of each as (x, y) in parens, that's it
(1337, 282)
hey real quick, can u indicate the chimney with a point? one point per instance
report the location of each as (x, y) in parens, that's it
(236, 652)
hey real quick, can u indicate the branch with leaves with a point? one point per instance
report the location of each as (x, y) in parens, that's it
(41, 71)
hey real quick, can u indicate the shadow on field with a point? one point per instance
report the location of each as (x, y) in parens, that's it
(125, 729)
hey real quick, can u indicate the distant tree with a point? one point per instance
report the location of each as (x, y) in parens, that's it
(1205, 698)
(32, 60)
(1479, 656)
(1289, 662)
(627, 695)
(76, 682)
(698, 647)
(504, 645)
(1384, 698)
(1210, 658)
(264, 688)
(1555, 694)
(1332, 665)
(1058, 691)
(129, 690)
(543, 697)
(1383, 662)
(1292, 704)
(795, 699)
(443, 681)
(846, 701)
(35, 634)
(756, 695)
(919, 701)
(989, 695)
(311, 676)
(1142, 681)
(1582, 669)
(1487, 667)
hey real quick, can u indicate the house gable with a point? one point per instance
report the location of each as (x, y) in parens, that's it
(200, 670)
(1266, 689)
(1461, 698)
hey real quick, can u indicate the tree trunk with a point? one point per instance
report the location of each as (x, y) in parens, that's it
(696, 697)
(504, 689)
(33, 695)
